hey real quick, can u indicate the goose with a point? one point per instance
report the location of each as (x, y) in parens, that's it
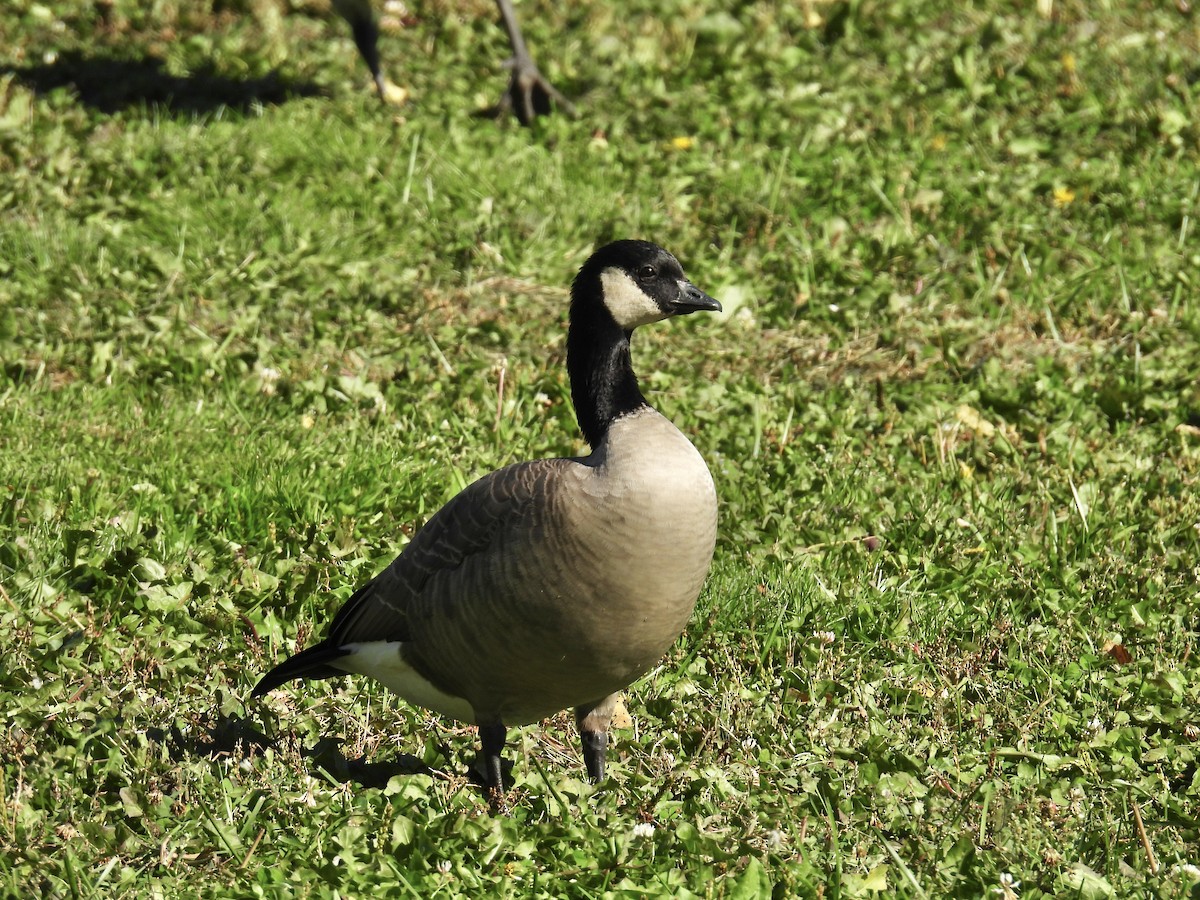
(554, 583)
(529, 94)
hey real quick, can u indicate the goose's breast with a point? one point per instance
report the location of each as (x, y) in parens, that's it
(645, 528)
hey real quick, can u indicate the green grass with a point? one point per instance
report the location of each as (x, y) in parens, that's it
(252, 331)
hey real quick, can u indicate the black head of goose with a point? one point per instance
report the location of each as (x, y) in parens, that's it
(555, 583)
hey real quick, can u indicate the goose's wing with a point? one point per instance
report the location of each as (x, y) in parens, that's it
(498, 508)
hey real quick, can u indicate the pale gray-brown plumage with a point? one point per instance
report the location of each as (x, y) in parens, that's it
(553, 583)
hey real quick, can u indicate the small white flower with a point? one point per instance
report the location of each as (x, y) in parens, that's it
(1188, 871)
(833, 307)
(1008, 886)
(268, 377)
(444, 866)
(643, 830)
(824, 637)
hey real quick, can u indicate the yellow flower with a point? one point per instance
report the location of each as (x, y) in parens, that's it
(1068, 62)
(938, 143)
(1063, 196)
(683, 142)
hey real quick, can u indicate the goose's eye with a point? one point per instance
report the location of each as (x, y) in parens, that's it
(646, 273)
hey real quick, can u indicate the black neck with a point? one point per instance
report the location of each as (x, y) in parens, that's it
(603, 386)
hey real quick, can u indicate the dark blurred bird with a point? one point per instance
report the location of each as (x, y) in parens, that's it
(529, 94)
(553, 583)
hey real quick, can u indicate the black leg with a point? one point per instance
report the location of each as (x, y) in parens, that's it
(365, 28)
(492, 738)
(529, 94)
(595, 743)
(593, 720)
(366, 38)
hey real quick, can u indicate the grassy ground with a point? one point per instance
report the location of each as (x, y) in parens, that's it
(253, 329)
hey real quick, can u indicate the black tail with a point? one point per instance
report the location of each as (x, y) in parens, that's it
(311, 663)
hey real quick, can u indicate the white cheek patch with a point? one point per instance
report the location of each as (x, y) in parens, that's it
(629, 305)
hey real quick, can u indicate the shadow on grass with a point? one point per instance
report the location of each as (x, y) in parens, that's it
(233, 736)
(109, 85)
